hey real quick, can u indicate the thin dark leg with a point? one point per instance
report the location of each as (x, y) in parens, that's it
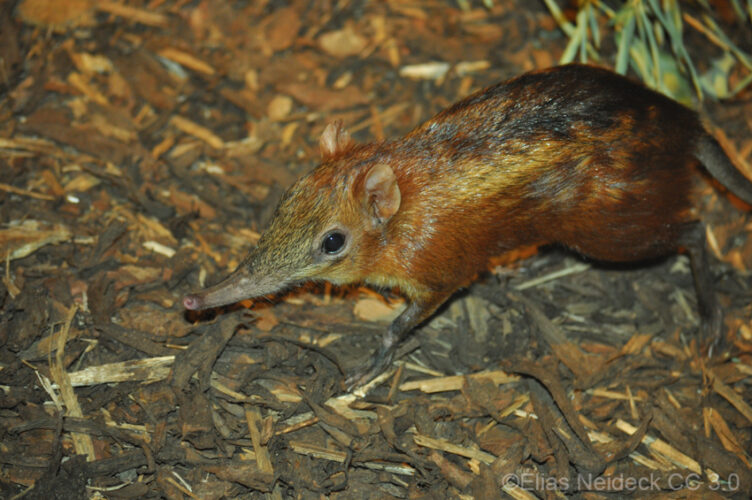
(711, 314)
(398, 331)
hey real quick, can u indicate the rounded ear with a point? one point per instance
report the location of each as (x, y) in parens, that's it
(381, 193)
(334, 140)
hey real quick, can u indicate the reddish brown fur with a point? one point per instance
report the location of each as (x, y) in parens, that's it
(574, 155)
(618, 194)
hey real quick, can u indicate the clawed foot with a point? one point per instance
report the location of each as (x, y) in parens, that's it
(379, 363)
(712, 331)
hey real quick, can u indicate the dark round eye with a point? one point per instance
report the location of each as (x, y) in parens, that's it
(333, 243)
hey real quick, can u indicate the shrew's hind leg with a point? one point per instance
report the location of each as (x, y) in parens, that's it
(711, 314)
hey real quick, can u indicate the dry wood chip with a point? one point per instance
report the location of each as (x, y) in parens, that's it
(449, 447)
(133, 14)
(731, 396)
(555, 389)
(253, 418)
(467, 67)
(342, 43)
(728, 146)
(203, 352)
(17, 242)
(24, 192)
(8, 280)
(151, 228)
(159, 248)
(57, 15)
(245, 473)
(282, 28)
(91, 63)
(130, 275)
(208, 488)
(455, 382)
(579, 451)
(80, 83)
(634, 345)
(56, 124)
(479, 316)
(425, 71)
(137, 370)
(31, 144)
(50, 178)
(569, 353)
(662, 448)
(485, 394)
(451, 472)
(123, 132)
(605, 393)
(186, 203)
(245, 99)
(317, 451)
(409, 10)
(140, 341)
(323, 99)
(279, 107)
(82, 442)
(266, 319)
(197, 131)
(188, 60)
(489, 33)
(502, 441)
(728, 439)
(369, 309)
(81, 183)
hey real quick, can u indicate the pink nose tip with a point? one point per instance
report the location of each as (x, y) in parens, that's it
(190, 302)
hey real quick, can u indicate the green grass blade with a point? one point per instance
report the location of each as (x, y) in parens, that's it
(625, 41)
(582, 23)
(718, 32)
(558, 16)
(742, 84)
(593, 22)
(575, 41)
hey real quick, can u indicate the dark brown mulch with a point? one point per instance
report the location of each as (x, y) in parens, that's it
(143, 147)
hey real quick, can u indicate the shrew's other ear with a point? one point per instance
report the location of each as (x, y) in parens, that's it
(382, 193)
(334, 140)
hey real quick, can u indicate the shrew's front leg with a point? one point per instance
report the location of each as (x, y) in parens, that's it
(416, 312)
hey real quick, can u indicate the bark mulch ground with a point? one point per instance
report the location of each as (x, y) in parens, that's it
(143, 147)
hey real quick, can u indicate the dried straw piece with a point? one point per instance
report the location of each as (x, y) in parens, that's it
(731, 396)
(455, 382)
(82, 442)
(196, 130)
(253, 417)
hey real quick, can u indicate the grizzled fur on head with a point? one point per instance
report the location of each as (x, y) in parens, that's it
(328, 226)
(326, 199)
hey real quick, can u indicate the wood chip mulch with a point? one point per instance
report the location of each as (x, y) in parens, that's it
(143, 147)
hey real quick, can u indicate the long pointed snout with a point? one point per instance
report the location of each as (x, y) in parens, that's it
(232, 289)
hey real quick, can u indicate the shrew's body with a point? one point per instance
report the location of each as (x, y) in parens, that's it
(575, 155)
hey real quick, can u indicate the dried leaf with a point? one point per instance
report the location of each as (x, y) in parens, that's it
(282, 29)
